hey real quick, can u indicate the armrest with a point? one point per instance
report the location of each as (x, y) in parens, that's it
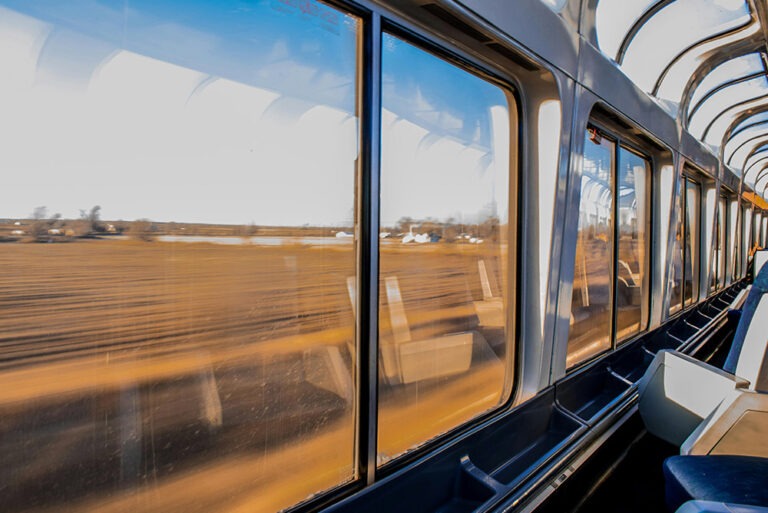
(740, 298)
(738, 426)
(677, 392)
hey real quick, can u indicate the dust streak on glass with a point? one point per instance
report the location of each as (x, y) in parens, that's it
(177, 246)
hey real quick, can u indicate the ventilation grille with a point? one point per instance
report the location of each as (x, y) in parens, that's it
(455, 22)
(466, 29)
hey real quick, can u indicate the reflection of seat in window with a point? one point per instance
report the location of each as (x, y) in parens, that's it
(405, 360)
(629, 286)
(490, 311)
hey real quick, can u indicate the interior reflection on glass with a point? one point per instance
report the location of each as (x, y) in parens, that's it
(443, 329)
(686, 247)
(722, 216)
(676, 278)
(591, 309)
(178, 241)
(717, 273)
(631, 281)
(734, 245)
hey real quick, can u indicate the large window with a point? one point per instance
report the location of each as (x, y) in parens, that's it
(445, 180)
(684, 279)
(610, 299)
(179, 210)
(691, 237)
(734, 248)
(182, 253)
(719, 256)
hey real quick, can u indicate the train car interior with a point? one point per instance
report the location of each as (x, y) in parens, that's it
(423, 256)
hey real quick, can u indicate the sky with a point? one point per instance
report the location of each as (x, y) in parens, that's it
(231, 112)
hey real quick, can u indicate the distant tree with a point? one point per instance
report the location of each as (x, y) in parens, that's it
(489, 229)
(41, 223)
(40, 213)
(404, 224)
(142, 229)
(92, 219)
(451, 230)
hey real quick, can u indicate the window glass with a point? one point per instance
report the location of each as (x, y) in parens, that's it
(727, 72)
(734, 248)
(762, 179)
(650, 52)
(180, 197)
(631, 283)
(738, 148)
(676, 78)
(753, 166)
(613, 19)
(718, 253)
(691, 246)
(591, 322)
(555, 5)
(676, 280)
(757, 118)
(722, 99)
(686, 249)
(722, 215)
(443, 322)
(713, 135)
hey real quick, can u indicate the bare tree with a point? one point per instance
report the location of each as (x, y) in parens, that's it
(142, 229)
(41, 223)
(92, 219)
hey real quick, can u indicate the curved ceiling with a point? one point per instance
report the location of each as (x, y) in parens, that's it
(710, 73)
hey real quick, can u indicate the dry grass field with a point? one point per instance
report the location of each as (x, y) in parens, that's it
(147, 376)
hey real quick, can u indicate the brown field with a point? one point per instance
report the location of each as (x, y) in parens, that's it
(150, 376)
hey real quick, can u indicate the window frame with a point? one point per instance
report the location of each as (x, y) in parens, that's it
(616, 134)
(689, 179)
(374, 21)
(460, 56)
(438, 48)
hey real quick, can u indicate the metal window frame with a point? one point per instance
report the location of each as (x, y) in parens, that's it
(732, 107)
(688, 178)
(740, 146)
(459, 56)
(747, 127)
(749, 168)
(720, 35)
(637, 26)
(721, 87)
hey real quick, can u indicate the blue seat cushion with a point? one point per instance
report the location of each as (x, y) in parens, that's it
(722, 478)
(759, 287)
(718, 507)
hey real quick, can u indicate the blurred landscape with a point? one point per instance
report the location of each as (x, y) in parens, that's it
(215, 374)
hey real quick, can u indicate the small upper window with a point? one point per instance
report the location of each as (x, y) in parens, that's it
(761, 117)
(662, 38)
(727, 72)
(706, 111)
(676, 76)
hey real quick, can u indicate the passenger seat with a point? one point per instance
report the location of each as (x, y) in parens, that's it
(725, 479)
